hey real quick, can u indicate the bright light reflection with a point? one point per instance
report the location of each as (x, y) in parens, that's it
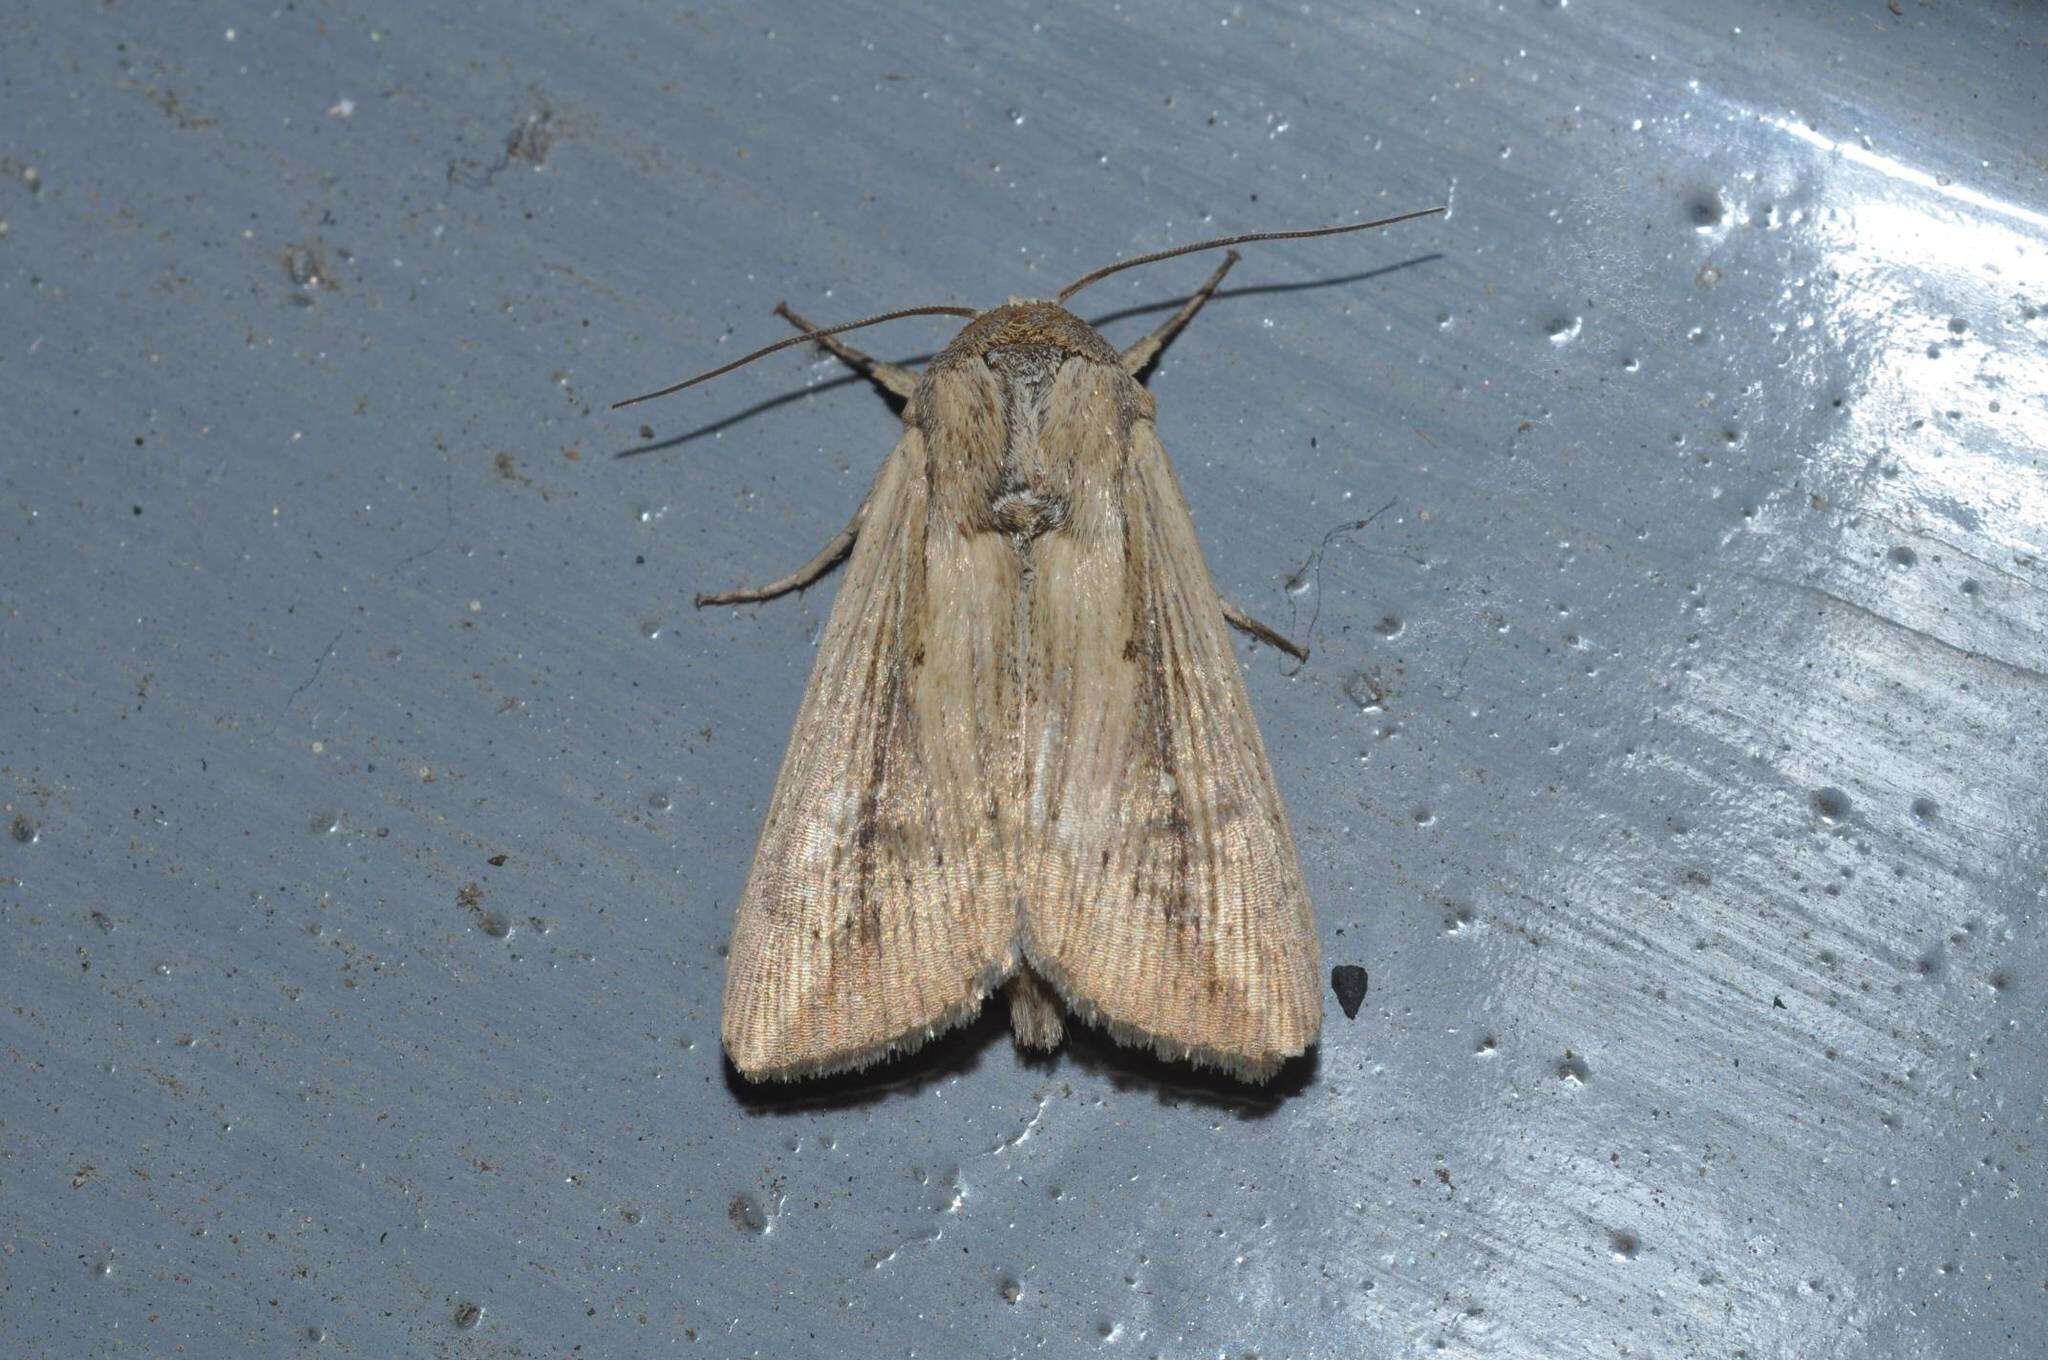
(1899, 170)
(1909, 261)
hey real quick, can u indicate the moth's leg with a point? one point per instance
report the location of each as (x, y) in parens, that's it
(1037, 1015)
(1139, 357)
(1238, 619)
(828, 557)
(894, 379)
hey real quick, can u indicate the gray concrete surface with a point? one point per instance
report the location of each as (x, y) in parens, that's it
(1671, 754)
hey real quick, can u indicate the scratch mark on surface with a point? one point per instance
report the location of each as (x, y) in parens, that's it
(2015, 668)
(447, 522)
(1023, 1134)
(887, 1254)
(307, 683)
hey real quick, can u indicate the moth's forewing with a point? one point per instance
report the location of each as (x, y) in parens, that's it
(875, 915)
(1164, 896)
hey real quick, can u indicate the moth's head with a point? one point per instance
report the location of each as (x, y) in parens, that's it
(1026, 322)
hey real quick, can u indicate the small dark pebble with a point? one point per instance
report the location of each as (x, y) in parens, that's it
(1348, 981)
(497, 861)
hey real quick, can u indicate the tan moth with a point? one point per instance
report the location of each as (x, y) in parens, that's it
(1025, 758)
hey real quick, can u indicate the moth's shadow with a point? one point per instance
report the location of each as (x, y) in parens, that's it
(1088, 1048)
(745, 414)
(952, 1054)
(1177, 1083)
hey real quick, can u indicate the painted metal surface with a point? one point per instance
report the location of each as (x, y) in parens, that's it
(1671, 754)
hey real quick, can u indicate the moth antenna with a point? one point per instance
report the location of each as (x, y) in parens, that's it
(1078, 284)
(765, 350)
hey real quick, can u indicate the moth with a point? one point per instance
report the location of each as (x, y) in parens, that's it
(1025, 759)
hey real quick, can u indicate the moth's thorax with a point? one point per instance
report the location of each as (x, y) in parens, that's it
(1026, 418)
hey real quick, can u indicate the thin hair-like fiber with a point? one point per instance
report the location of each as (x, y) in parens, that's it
(937, 309)
(1220, 242)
